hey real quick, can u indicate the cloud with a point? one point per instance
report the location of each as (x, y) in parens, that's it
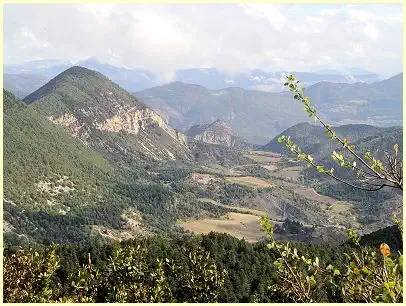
(268, 11)
(232, 38)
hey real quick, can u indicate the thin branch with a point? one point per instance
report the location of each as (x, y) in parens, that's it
(342, 181)
(339, 139)
(381, 172)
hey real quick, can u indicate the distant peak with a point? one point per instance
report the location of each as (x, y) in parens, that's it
(72, 74)
(80, 71)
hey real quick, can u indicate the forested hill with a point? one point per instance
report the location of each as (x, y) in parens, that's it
(106, 117)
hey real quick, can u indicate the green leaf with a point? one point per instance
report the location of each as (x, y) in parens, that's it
(329, 267)
(389, 285)
(312, 280)
(320, 169)
(368, 155)
(280, 139)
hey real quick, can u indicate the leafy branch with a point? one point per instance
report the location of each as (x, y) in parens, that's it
(372, 173)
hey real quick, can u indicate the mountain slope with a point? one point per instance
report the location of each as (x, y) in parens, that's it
(56, 189)
(219, 132)
(105, 117)
(34, 145)
(47, 174)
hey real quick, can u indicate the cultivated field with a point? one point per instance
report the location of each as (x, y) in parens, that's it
(236, 224)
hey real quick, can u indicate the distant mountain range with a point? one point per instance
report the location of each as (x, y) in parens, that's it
(259, 116)
(254, 115)
(211, 78)
(46, 68)
(258, 79)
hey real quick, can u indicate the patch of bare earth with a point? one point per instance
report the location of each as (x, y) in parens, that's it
(236, 224)
(201, 178)
(55, 188)
(131, 227)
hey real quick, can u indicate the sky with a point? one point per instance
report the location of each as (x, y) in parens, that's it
(232, 38)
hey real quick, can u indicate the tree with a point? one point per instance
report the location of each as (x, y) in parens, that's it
(367, 275)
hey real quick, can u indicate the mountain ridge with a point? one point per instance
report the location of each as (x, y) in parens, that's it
(89, 105)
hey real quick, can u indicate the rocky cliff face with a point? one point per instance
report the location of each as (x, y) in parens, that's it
(218, 132)
(131, 122)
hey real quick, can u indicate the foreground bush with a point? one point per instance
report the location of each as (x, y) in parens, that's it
(32, 276)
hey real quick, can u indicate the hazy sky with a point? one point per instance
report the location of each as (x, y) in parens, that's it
(232, 38)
